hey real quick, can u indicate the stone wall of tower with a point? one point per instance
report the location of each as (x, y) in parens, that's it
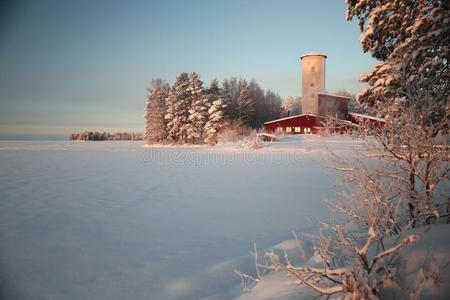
(313, 81)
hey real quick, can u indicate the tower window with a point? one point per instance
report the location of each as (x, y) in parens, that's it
(313, 69)
(312, 84)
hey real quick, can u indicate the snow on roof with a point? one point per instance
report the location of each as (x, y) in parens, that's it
(332, 95)
(313, 54)
(366, 116)
(291, 117)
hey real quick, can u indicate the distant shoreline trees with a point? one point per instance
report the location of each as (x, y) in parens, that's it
(189, 113)
(104, 136)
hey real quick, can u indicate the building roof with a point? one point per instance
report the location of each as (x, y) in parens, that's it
(332, 95)
(323, 117)
(366, 116)
(292, 117)
(313, 54)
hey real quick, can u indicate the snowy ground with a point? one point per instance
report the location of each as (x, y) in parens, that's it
(114, 220)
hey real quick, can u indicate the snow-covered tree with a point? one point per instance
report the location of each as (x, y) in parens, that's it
(230, 94)
(266, 104)
(292, 105)
(246, 106)
(217, 113)
(214, 91)
(198, 111)
(411, 38)
(178, 103)
(353, 105)
(411, 87)
(271, 108)
(155, 110)
(216, 121)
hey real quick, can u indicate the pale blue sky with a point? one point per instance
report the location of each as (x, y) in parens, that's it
(85, 65)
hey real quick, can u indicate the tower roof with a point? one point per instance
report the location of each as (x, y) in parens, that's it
(313, 54)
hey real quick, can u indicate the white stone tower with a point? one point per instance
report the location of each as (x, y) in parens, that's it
(313, 81)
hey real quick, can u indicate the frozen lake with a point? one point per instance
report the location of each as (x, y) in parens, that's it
(114, 220)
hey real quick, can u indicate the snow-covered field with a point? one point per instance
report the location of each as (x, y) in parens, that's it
(114, 220)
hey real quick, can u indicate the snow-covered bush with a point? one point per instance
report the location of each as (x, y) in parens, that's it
(252, 141)
(233, 131)
(395, 188)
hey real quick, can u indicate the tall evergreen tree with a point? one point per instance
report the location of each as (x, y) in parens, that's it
(230, 94)
(214, 91)
(267, 105)
(246, 106)
(156, 127)
(198, 111)
(216, 121)
(178, 102)
(261, 105)
(412, 39)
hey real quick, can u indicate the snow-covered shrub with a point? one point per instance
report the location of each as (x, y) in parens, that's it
(252, 141)
(233, 132)
(380, 214)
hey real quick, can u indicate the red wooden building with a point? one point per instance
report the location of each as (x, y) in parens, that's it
(300, 124)
(313, 124)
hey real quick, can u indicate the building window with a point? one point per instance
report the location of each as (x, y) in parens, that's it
(297, 129)
(288, 129)
(307, 130)
(312, 84)
(313, 69)
(279, 129)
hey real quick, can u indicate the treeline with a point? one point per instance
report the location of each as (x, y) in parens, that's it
(104, 136)
(187, 112)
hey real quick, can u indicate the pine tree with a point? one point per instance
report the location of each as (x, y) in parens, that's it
(156, 127)
(213, 92)
(412, 40)
(216, 121)
(227, 96)
(198, 111)
(246, 106)
(257, 95)
(178, 102)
